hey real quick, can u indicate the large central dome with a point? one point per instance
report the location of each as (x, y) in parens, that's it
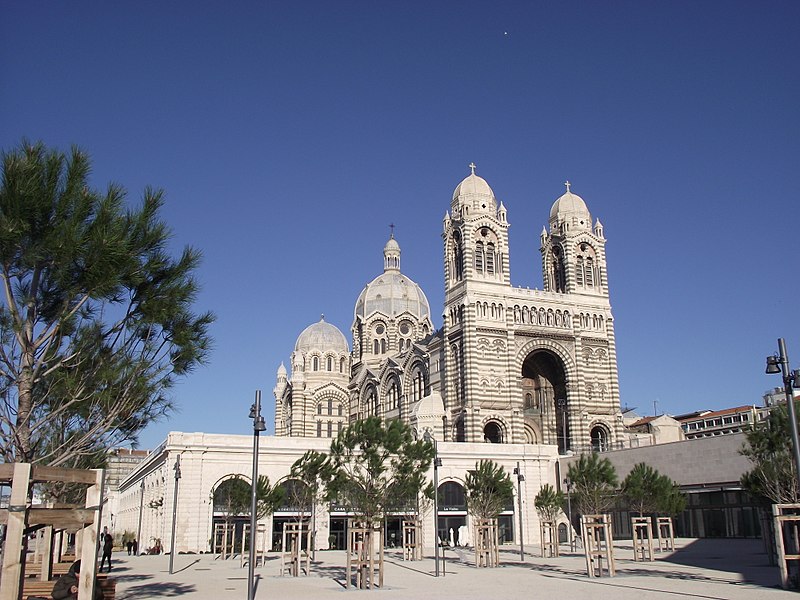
(392, 293)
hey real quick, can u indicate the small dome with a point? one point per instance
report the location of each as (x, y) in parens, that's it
(472, 184)
(322, 336)
(473, 196)
(572, 209)
(392, 245)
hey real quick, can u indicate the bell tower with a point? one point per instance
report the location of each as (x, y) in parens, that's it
(475, 234)
(573, 252)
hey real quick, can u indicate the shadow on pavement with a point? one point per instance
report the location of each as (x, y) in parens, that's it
(157, 590)
(745, 557)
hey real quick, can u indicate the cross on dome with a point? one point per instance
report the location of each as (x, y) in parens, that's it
(391, 227)
(566, 183)
(473, 167)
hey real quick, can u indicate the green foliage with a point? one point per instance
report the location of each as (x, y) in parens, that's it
(268, 497)
(549, 502)
(673, 503)
(232, 498)
(96, 320)
(647, 491)
(311, 470)
(488, 489)
(594, 483)
(376, 467)
(773, 477)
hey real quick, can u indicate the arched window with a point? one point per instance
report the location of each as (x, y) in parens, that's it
(319, 408)
(383, 346)
(315, 363)
(490, 259)
(341, 365)
(528, 400)
(417, 383)
(330, 364)
(330, 406)
(458, 257)
(376, 347)
(579, 271)
(493, 433)
(599, 437)
(391, 396)
(558, 275)
(479, 257)
(319, 426)
(589, 272)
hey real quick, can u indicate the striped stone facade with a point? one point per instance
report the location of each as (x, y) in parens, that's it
(509, 365)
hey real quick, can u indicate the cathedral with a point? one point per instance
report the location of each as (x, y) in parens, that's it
(509, 365)
(532, 372)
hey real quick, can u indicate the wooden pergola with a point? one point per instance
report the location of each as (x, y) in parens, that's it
(21, 519)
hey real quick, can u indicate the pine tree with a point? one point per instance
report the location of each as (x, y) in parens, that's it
(647, 491)
(595, 484)
(548, 502)
(488, 489)
(96, 321)
(376, 467)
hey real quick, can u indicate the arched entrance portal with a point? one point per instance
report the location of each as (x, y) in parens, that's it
(452, 512)
(544, 379)
(231, 511)
(599, 436)
(493, 432)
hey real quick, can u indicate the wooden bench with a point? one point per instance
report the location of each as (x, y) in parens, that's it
(35, 569)
(44, 589)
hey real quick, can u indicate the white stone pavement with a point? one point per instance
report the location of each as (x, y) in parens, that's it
(705, 569)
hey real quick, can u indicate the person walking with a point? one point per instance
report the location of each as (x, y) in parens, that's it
(108, 546)
(129, 545)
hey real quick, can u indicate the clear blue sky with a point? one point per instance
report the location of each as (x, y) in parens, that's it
(289, 135)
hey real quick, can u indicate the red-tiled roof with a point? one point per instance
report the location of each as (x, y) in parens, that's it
(716, 413)
(642, 421)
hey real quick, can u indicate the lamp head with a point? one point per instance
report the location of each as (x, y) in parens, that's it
(259, 424)
(253, 413)
(772, 365)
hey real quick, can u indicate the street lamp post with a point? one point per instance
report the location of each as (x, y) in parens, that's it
(779, 363)
(520, 479)
(568, 486)
(437, 462)
(174, 512)
(258, 427)
(141, 511)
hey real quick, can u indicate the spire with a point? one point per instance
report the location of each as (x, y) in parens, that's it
(391, 254)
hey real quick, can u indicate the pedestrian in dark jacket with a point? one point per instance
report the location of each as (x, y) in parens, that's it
(67, 585)
(108, 546)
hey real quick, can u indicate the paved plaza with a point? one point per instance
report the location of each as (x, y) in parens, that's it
(714, 569)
